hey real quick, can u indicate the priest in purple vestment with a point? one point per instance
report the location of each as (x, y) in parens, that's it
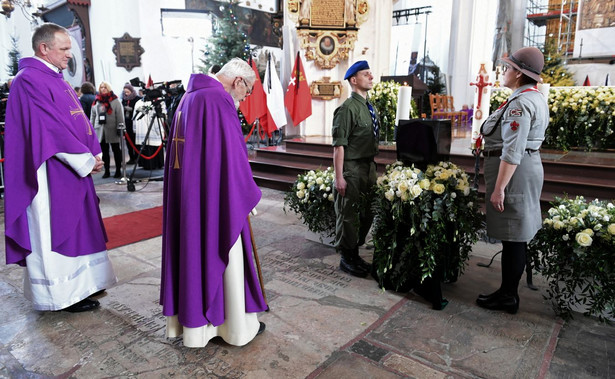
(53, 223)
(209, 284)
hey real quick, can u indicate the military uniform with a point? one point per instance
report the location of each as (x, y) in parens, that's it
(353, 129)
(514, 133)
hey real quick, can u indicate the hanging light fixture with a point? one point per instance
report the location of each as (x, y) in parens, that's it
(7, 8)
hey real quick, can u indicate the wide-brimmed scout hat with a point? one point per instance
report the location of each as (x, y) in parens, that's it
(528, 60)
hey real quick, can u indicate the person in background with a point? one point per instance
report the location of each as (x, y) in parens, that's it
(209, 286)
(107, 116)
(53, 224)
(88, 95)
(129, 99)
(78, 91)
(213, 70)
(355, 144)
(513, 171)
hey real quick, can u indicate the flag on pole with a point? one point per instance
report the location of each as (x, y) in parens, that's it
(276, 118)
(586, 82)
(298, 99)
(255, 105)
(150, 82)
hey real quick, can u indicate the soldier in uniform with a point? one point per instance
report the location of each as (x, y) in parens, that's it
(355, 144)
(513, 171)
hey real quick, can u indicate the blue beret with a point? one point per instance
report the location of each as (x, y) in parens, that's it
(356, 67)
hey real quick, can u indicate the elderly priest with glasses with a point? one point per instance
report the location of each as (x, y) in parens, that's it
(210, 286)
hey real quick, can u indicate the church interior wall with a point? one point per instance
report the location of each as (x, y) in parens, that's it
(165, 58)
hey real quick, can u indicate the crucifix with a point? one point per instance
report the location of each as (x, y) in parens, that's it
(481, 86)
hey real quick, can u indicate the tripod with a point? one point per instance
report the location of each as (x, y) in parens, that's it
(157, 117)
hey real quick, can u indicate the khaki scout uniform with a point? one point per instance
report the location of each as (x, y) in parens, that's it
(353, 129)
(514, 133)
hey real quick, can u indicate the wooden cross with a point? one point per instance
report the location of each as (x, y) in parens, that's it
(177, 140)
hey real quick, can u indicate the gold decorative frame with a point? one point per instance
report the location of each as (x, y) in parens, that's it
(127, 52)
(325, 89)
(327, 41)
(315, 44)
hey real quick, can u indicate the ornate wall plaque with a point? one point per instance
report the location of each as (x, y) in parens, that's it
(325, 89)
(127, 52)
(327, 48)
(327, 29)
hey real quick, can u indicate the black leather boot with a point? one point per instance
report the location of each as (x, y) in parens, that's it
(500, 302)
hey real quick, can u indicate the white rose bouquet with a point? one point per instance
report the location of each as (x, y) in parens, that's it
(574, 250)
(423, 220)
(312, 199)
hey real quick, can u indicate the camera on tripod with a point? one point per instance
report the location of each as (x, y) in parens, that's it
(160, 91)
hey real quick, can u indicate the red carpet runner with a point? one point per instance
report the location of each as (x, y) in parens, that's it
(133, 227)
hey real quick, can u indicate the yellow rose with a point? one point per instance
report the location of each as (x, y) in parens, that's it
(301, 194)
(415, 191)
(438, 188)
(404, 196)
(584, 239)
(403, 186)
(557, 224)
(589, 232)
(424, 184)
(330, 198)
(444, 175)
(611, 229)
(300, 185)
(390, 195)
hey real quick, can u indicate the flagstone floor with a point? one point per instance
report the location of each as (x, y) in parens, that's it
(322, 323)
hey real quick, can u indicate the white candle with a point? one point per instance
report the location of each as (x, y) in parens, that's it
(404, 104)
(544, 89)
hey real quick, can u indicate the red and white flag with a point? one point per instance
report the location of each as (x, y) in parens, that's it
(255, 105)
(276, 117)
(586, 82)
(298, 99)
(150, 82)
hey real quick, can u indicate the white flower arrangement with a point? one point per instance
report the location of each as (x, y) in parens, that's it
(423, 220)
(582, 117)
(575, 249)
(312, 198)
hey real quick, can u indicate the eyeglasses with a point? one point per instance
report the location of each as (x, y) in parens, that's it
(249, 92)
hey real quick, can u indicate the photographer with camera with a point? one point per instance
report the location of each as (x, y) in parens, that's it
(129, 100)
(108, 120)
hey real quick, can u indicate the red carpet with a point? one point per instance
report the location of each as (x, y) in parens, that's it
(133, 227)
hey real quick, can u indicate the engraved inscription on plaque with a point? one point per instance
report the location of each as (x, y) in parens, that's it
(327, 14)
(127, 51)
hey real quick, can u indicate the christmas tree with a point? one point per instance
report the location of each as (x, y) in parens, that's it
(14, 55)
(228, 40)
(555, 72)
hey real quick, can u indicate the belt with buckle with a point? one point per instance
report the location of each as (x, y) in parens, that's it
(498, 152)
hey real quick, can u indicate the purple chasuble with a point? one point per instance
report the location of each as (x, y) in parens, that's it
(208, 193)
(44, 117)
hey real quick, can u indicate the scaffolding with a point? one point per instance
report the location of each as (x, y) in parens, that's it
(552, 20)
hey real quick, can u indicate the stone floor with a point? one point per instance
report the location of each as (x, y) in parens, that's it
(322, 322)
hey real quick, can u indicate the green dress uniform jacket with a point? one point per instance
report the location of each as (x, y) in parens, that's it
(353, 129)
(514, 133)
